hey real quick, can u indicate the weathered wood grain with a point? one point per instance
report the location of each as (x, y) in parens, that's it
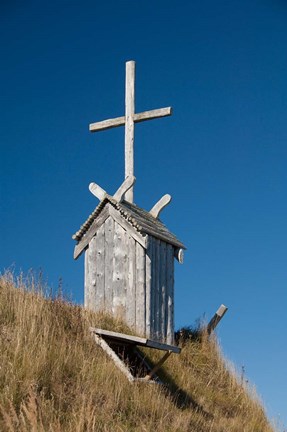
(109, 253)
(148, 289)
(157, 288)
(119, 275)
(163, 289)
(100, 271)
(92, 263)
(140, 289)
(160, 205)
(170, 294)
(129, 124)
(152, 247)
(86, 280)
(131, 283)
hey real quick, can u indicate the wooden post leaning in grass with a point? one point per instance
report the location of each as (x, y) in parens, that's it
(216, 318)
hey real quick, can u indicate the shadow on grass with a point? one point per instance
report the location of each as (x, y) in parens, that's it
(140, 364)
(179, 397)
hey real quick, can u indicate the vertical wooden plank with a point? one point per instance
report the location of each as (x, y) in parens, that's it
(152, 290)
(140, 289)
(131, 282)
(87, 285)
(119, 273)
(109, 253)
(92, 263)
(162, 293)
(157, 287)
(129, 126)
(100, 268)
(148, 290)
(170, 294)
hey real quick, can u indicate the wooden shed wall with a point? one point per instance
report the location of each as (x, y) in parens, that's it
(161, 257)
(130, 282)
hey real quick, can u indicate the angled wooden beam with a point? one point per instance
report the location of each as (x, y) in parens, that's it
(96, 190)
(157, 366)
(111, 353)
(216, 318)
(160, 205)
(125, 186)
(100, 193)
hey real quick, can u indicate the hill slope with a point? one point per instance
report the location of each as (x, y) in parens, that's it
(54, 378)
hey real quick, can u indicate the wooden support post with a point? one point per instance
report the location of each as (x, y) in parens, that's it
(216, 318)
(157, 366)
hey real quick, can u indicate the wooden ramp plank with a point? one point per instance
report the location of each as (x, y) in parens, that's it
(135, 340)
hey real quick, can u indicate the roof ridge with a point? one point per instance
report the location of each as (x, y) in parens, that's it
(138, 217)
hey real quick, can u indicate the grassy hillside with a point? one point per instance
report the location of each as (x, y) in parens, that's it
(54, 378)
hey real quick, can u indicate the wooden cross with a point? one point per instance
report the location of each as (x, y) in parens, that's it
(129, 120)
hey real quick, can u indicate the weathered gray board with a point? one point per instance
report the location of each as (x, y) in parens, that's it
(132, 282)
(135, 340)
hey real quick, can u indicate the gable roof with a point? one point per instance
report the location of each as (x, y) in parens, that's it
(138, 218)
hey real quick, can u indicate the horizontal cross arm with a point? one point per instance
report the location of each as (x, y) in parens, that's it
(120, 121)
(152, 114)
(107, 124)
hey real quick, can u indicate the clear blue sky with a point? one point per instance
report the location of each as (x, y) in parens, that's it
(222, 155)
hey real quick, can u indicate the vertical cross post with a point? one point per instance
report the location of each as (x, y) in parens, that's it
(129, 129)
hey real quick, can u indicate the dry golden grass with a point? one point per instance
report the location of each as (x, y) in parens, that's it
(54, 378)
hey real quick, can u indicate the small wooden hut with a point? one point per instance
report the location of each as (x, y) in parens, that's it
(129, 252)
(129, 267)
